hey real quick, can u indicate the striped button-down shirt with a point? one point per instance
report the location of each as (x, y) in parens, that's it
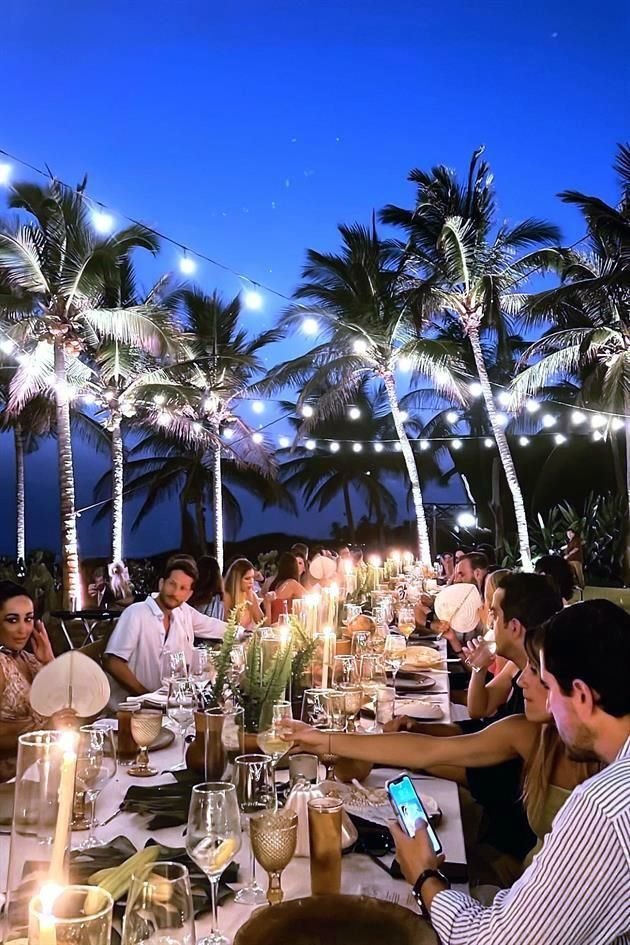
(577, 890)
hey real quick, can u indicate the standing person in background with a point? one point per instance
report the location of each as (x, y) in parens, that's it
(300, 550)
(239, 592)
(574, 554)
(209, 591)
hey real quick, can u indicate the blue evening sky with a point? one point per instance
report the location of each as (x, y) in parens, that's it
(250, 130)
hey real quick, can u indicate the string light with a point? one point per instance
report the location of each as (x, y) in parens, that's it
(466, 520)
(334, 447)
(424, 445)
(310, 444)
(532, 406)
(354, 413)
(404, 364)
(456, 444)
(397, 447)
(451, 417)
(307, 411)
(475, 389)
(163, 418)
(310, 326)
(378, 447)
(617, 424)
(228, 433)
(5, 173)
(356, 447)
(598, 421)
(258, 406)
(102, 221)
(559, 439)
(197, 428)
(360, 346)
(284, 442)
(548, 421)
(523, 441)
(488, 443)
(7, 345)
(253, 300)
(577, 417)
(597, 436)
(187, 266)
(257, 438)
(404, 416)
(504, 398)
(503, 419)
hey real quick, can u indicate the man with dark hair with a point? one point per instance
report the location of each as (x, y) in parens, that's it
(472, 569)
(560, 572)
(163, 623)
(577, 889)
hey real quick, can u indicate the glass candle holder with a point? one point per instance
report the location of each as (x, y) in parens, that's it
(70, 915)
(324, 833)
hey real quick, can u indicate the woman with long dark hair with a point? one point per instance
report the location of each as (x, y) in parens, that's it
(209, 589)
(285, 587)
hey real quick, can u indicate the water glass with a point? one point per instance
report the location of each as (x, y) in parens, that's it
(213, 838)
(349, 613)
(201, 667)
(70, 914)
(173, 666)
(360, 643)
(160, 907)
(180, 705)
(372, 677)
(96, 765)
(255, 791)
(385, 705)
(345, 672)
(353, 700)
(313, 707)
(274, 838)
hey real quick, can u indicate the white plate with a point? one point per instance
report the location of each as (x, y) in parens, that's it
(419, 709)
(72, 680)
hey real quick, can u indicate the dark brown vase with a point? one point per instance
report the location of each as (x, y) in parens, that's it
(206, 753)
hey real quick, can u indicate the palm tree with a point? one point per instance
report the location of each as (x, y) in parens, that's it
(455, 265)
(355, 297)
(58, 269)
(589, 337)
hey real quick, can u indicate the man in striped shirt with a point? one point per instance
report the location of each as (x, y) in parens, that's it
(577, 890)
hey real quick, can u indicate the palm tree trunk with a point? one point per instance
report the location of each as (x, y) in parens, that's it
(504, 453)
(200, 519)
(424, 544)
(20, 534)
(218, 503)
(69, 545)
(349, 515)
(627, 436)
(117, 487)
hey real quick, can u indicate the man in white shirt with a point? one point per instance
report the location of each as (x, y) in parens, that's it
(163, 623)
(577, 890)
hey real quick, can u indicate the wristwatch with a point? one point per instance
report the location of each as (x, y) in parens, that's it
(419, 883)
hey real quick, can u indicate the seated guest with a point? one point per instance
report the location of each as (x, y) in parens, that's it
(18, 668)
(472, 569)
(284, 588)
(560, 572)
(493, 580)
(163, 623)
(239, 592)
(577, 889)
(550, 774)
(208, 594)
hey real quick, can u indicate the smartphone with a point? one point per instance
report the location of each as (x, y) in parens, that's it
(409, 808)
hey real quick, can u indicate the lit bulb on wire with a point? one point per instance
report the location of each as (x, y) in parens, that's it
(102, 222)
(187, 266)
(253, 300)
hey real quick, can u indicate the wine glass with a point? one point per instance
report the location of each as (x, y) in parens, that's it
(394, 649)
(335, 706)
(360, 643)
(237, 661)
(345, 672)
(201, 667)
(160, 907)
(96, 765)
(271, 740)
(173, 666)
(372, 678)
(406, 620)
(274, 838)
(180, 705)
(486, 644)
(213, 838)
(146, 725)
(353, 700)
(349, 612)
(253, 776)
(313, 707)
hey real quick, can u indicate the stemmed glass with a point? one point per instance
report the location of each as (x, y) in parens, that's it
(96, 765)
(180, 704)
(349, 613)
(173, 666)
(352, 702)
(146, 725)
(253, 776)
(213, 838)
(394, 651)
(201, 667)
(274, 838)
(360, 643)
(372, 678)
(406, 620)
(313, 707)
(160, 907)
(271, 740)
(345, 672)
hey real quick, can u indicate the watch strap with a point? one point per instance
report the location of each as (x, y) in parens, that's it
(419, 883)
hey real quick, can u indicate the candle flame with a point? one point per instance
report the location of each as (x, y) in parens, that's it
(68, 742)
(375, 561)
(47, 896)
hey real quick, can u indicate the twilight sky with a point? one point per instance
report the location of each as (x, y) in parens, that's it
(250, 130)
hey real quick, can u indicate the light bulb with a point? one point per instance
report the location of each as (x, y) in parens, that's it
(257, 438)
(504, 398)
(577, 417)
(7, 345)
(532, 406)
(108, 395)
(598, 420)
(228, 433)
(617, 423)
(404, 364)
(548, 421)
(424, 444)
(356, 447)
(398, 447)
(451, 417)
(456, 444)
(258, 406)
(310, 444)
(284, 442)
(488, 442)
(378, 447)
(102, 222)
(253, 300)
(5, 174)
(310, 326)
(503, 419)
(559, 439)
(404, 416)
(187, 265)
(354, 413)
(307, 411)
(334, 447)
(475, 389)
(466, 520)
(159, 399)
(359, 346)
(597, 436)
(523, 441)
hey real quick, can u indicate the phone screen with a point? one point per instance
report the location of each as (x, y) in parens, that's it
(409, 809)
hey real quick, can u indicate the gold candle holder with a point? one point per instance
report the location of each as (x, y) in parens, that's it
(274, 838)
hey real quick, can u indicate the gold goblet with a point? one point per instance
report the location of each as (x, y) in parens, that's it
(146, 725)
(273, 838)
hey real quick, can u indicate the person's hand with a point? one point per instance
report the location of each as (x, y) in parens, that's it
(40, 643)
(400, 724)
(414, 854)
(65, 718)
(303, 735)
(444, 629)
(477, 653)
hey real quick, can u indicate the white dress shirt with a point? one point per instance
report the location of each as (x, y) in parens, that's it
(577, 889)
(139, 639)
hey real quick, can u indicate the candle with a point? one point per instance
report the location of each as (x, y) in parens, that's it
(328, 652)
(333, 603)
(396, 560)
(68, 742)
(284, 636)
(312, 613)
(47, 929)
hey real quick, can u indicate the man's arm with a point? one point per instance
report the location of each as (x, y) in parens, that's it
(119, 669)
(204, 627)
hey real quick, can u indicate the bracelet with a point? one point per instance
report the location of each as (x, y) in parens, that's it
(419, 883)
